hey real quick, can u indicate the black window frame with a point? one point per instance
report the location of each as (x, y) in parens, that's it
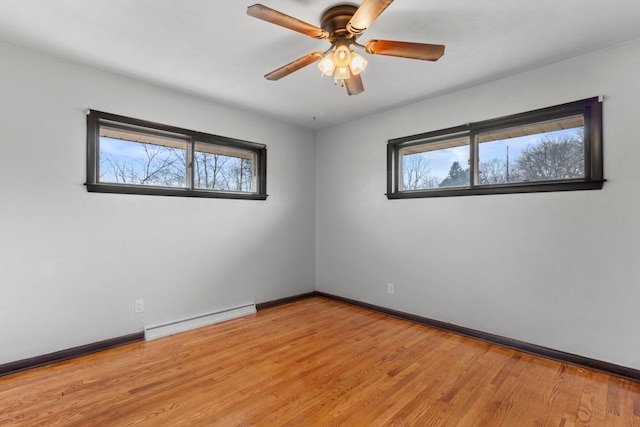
(590, 109)
(93, 184)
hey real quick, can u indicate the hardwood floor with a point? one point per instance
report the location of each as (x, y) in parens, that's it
(316, 363)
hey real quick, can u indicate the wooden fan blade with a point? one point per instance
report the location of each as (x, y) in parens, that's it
(424, 51)
(368, 12)
(294, 66)
(270, 15)
(354, 85)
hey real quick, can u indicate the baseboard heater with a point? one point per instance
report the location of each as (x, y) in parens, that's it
(182, 325)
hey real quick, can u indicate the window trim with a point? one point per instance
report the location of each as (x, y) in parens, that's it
(95, 118)
(590, 108)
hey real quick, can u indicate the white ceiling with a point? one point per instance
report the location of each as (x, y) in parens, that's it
(214, 50)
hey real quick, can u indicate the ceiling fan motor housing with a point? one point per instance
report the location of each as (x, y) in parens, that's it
(334, 20)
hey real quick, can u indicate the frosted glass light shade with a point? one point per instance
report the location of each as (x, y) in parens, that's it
(342, 56)
(327, 65)
(342, 73)
(358, 63)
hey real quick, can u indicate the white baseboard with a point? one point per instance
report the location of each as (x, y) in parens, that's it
(182, 325)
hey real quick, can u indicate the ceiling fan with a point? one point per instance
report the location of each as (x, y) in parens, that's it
(341, 25)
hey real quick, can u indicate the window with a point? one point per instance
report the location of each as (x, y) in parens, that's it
(553, 149)
(126, 155)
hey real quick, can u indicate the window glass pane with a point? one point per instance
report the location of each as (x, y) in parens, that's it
(442, 164)
(218, 167)
(129, 156)
(552, 150)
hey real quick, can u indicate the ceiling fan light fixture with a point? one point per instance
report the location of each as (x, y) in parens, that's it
(342, 63)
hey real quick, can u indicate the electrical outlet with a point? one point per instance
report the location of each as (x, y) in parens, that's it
(138, 306)
(389, 288)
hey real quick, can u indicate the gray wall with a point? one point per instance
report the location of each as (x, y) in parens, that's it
(559, 270)
(72, 262)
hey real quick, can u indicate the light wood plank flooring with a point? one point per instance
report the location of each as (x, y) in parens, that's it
(316, 363)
